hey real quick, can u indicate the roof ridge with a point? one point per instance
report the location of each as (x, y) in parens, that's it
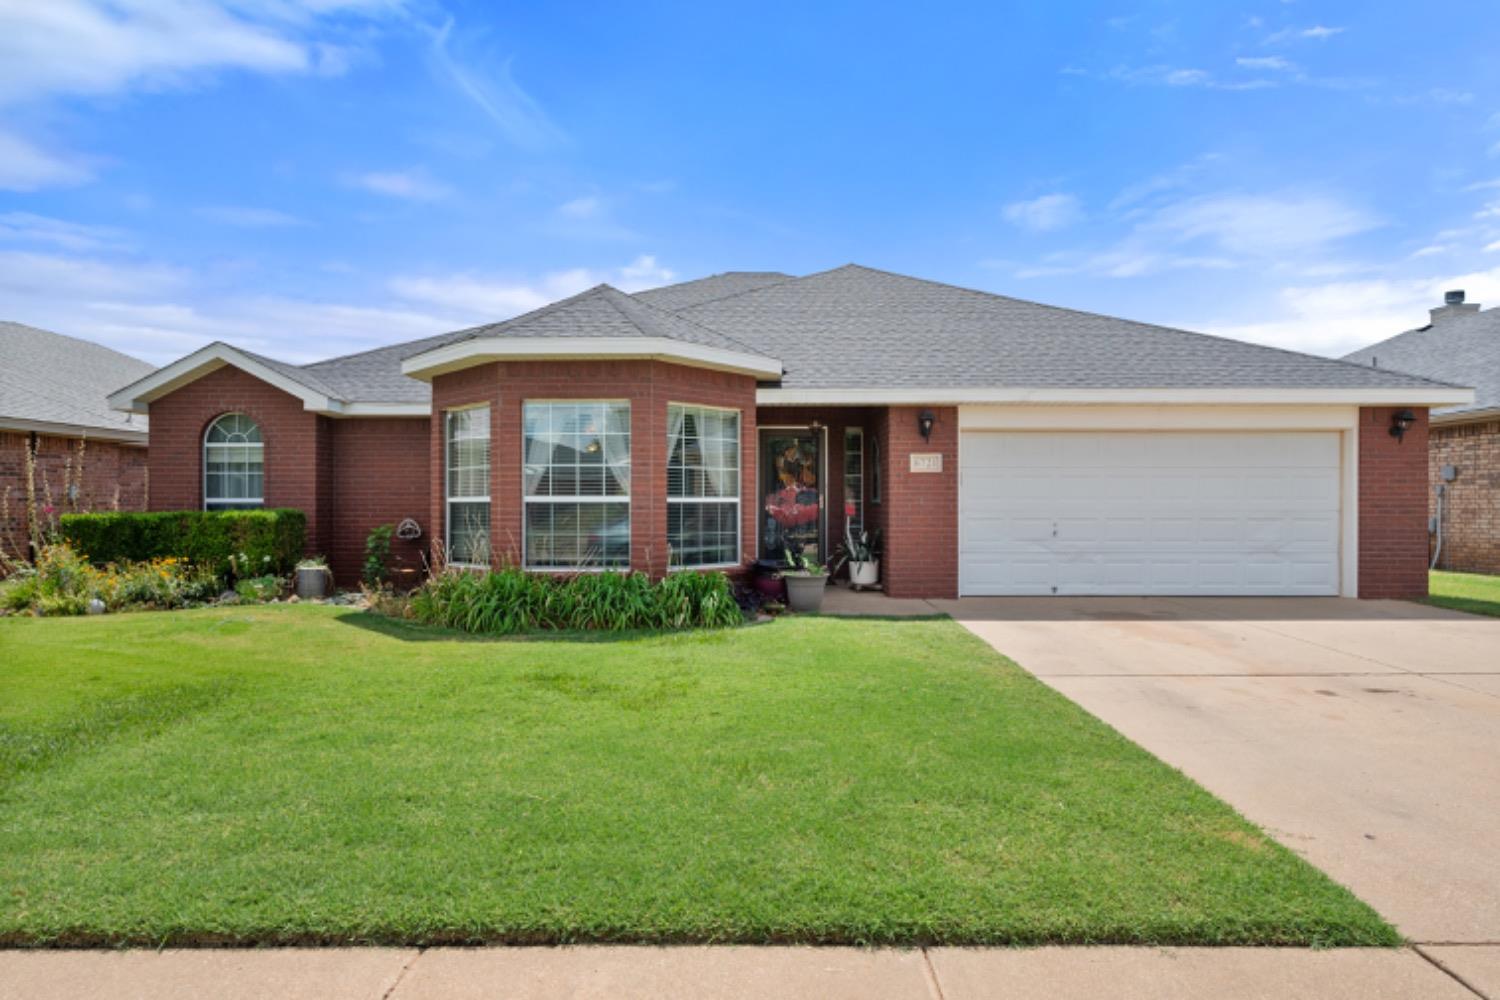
(677, 317)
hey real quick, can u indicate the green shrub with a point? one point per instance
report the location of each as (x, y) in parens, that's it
(258, 589)
(63, 583)
(377, 554)
(511, 601)
(230, 542)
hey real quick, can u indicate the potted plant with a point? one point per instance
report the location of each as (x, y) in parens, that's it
(862, 554)
(806, 579)
(313, 578)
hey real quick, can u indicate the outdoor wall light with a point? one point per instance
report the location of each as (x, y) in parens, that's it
(1401, 422)
(925, 420)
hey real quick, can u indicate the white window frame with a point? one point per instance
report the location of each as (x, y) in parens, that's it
(862, 504)
(739, 513)
(527, 499)
(234, 503)
(448, 498)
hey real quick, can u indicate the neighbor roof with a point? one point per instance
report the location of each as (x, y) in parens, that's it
(1463, 349)
(51, 382)
(847, 332)
(856, 327)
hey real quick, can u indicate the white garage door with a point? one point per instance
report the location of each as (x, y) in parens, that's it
(1149, 513)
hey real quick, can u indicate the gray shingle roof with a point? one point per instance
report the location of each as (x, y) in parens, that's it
(603, 311)
(1462, 349)
(716, 286)
(49, 378)
(855, 327)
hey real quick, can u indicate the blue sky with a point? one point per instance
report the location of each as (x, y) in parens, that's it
(311, 178)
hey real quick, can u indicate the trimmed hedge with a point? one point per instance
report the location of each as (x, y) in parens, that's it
(271, 540)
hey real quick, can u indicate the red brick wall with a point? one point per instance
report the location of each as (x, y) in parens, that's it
(1392, 506)
(380, 475)
(1471, 510)
(921, 546)
(648, 385)
(295, 441)
(113, 477)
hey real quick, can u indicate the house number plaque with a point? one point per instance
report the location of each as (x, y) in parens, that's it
(930, 461)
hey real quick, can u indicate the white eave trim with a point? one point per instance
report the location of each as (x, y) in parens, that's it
(118, 435)
(874, 396)
(481, 350)
(1467, 416)
(137, 397)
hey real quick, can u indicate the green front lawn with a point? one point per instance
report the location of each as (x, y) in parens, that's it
(314, 774)
(1472, 592)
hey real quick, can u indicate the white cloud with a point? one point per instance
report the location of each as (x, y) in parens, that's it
(484, 298)
(1492, 247)
(1340, 317)
(586, 207)
(27, 167)
(495, 93)
(1317, 32)
(412, 185)
(1044, 214)
(1263, 62)
(1320, 32)
(246, 217)
(1261, 225)
(24, 227)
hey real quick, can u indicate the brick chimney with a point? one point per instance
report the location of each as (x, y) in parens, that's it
(1453, 305)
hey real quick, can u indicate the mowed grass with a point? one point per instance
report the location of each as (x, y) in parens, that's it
(302, 774)
(1472, 592)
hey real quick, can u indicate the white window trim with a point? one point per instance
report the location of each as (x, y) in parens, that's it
(526, 499)
(448, 498)
(864, 499)
(220, 503)
(737, 500)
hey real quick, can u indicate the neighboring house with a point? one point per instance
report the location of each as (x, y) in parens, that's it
(54, 402)
(1460, 344)
(1004, 447)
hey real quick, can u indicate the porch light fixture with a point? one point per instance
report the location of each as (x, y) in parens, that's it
(925, 420)
(1401, 422)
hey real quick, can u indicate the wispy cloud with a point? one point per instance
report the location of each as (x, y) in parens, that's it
(25, 227)
(1046, 213)
(25, 166)
(487, 298)
(1317, 33)
(1264, 62)
(586, 207)
(410, 185)
(246, 217)
(495, 93)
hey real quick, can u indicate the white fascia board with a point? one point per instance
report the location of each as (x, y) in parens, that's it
(1435, 396)
(1467, 416)
(481, 350)
(118, 435)
(136, 397)
(386, 410)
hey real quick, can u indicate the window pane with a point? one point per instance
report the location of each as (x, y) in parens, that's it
(704, 462)
(469, 532)
(703, 534)
(577, 535)
(233, 463)
(468, 454)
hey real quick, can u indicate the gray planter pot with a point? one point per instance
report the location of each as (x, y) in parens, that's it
(312, 583)
(804, 592)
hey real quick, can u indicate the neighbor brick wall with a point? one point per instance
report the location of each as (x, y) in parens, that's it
(113, 478)
(1471, 518)
(295, 441)
(1392, 506)
(380, 475)
(921, 509)
(648, 385)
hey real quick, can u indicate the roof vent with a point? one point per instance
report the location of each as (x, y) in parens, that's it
(1453, 305)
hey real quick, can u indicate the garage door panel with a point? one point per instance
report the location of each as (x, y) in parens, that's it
(1150, 513)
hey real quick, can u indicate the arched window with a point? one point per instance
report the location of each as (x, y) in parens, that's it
(234, 476)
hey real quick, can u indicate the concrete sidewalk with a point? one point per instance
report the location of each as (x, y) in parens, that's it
(707, 973)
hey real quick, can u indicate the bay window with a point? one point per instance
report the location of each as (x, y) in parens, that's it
(576, 485)
(703, 486)
(468, 485)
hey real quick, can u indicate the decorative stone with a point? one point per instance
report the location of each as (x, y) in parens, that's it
(96, 606)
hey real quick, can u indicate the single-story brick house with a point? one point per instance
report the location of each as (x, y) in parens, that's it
(1004, 447)
(54, 404)
(1461, 344)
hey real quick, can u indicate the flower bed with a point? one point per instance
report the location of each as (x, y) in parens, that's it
(63, 582)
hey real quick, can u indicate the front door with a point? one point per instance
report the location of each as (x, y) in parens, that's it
(791, 493)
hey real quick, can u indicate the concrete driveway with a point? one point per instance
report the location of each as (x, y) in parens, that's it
(1363, 735)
